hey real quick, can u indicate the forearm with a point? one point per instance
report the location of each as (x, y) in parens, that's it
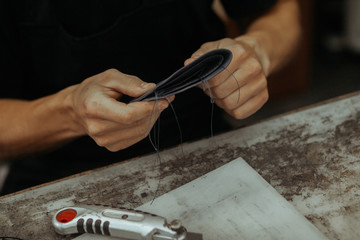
(90, 108)
(275, 35)
(29, 127)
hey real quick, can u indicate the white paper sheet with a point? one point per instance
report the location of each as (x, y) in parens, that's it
(232, 202)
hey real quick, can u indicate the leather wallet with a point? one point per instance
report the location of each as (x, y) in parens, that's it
(199, 71)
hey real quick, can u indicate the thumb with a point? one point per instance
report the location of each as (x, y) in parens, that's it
(188, 61)
(201, 51)
(126, 84)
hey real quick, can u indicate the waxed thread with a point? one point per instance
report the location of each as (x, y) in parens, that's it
(150, 128)
(159, 158)
(181, 140)
(156, 142)
(237, 82)
(179, 127)
(206, 84)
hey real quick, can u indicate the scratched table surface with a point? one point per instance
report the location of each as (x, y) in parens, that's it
(310, 156)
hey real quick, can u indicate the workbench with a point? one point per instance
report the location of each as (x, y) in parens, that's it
(311, 156)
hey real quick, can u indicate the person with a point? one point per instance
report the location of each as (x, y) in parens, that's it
(66, 66)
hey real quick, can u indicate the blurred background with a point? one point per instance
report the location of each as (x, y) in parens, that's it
(327, 64)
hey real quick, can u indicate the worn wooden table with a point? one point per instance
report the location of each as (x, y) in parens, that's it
(310, 156)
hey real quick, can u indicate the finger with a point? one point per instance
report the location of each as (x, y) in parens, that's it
(224, 88)
(251, 106)
(221, 77)
(118, 141)
(206, 47)
(227, 43)
(248, 91)
(228, 87)
(188, 61)
(139, 110)
(98, 128)
(121, 144)
(129, 136)
(126, 84)
(158, 105)
(110, 109)
(224, 84)
(124, 144)
(144, 125)
(243, 70)
(237, 70)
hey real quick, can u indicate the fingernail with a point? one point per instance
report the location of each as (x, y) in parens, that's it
(145, 85)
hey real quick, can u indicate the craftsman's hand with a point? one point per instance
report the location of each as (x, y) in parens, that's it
(240, 90)
(112, 123)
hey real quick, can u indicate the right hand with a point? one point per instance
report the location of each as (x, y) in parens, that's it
(111, 123)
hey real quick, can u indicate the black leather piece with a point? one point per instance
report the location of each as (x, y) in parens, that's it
(201, 70)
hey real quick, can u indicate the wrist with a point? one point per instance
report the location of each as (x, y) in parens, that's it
(63, 103)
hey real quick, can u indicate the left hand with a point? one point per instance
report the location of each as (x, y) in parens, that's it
(242, 90)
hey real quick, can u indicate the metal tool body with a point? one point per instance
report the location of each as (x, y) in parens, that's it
(117, 222)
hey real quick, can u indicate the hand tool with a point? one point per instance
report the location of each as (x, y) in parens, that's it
(119, 222)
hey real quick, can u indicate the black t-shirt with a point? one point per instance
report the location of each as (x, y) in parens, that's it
(46, 46)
